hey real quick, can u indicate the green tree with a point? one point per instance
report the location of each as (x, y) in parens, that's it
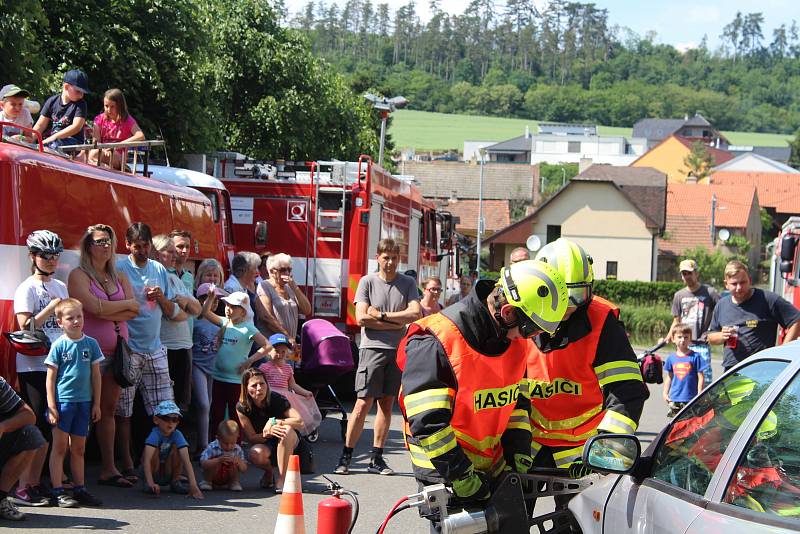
(711, 264)
(279, 101)
(699, 161)
(23, 63)
(794, 160)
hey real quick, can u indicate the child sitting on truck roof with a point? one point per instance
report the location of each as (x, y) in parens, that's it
(65, 113)
(13, 108)
(114, 125)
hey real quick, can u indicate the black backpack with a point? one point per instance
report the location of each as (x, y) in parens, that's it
(652, 369)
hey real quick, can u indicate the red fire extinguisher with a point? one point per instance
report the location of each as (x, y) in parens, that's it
(335, 515)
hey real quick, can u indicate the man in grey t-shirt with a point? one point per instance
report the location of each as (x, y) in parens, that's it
(693, 305)
(386, 302)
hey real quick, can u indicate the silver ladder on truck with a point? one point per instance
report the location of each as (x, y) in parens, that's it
(331, 186)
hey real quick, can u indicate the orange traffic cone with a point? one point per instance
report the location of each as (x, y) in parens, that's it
(290, 514)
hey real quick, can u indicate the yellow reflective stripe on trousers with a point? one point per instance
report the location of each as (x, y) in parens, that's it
(617, 371)
(617, 423)
(520, 420)
(567, 457)
(430, 399)
(439, 442)
(535, 448)
(563, 424)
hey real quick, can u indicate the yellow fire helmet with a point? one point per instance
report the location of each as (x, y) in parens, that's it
(539, 291)
(574, 264)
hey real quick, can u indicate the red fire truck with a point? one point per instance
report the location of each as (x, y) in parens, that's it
(39, 190)
(785, 269)
(329, 216)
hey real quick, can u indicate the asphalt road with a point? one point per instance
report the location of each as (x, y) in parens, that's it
(255, 510)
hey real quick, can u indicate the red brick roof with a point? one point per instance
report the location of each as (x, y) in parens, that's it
(689, 213)
(495, 212)
(777, 190)
(719, 156)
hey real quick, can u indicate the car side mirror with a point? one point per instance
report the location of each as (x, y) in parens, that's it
(612, 453)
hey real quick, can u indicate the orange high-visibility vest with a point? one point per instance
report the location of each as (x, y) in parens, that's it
(486, 396)
(566, 398)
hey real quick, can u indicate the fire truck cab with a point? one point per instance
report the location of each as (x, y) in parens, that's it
(785, 267)
(329, 216)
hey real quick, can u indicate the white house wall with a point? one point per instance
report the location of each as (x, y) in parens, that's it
(606, 224)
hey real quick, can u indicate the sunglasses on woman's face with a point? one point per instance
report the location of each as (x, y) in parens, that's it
(434, 289)
(284, 270)
(102, 242)
(47, 257)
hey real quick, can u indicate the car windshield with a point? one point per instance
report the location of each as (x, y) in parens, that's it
(767, 476)
(698, 438)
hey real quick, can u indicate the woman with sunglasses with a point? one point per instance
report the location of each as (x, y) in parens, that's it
(35, 300)
(108, 302)
(282, 301)
(431, 292)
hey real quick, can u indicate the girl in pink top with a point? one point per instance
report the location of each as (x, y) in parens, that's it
(280, 377)
(114, 125)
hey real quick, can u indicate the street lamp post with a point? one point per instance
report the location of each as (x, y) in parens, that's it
(385, 106)
(480, 214)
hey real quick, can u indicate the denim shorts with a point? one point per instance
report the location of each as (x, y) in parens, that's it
(73, 417)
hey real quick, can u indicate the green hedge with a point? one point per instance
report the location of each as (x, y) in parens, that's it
(641, 293)
(646, 321)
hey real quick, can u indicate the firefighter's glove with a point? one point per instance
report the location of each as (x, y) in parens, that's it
(523, 463)
(579, 470)
(472, 487)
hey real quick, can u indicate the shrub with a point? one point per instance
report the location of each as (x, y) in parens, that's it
(646, 321)
(642, 293)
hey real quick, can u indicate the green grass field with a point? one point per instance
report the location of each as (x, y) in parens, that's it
(424, 130)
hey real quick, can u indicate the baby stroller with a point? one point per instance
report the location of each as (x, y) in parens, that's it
(326, 355)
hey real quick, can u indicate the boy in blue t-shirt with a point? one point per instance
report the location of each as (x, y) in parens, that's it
(684, 369)
(73, 395)
(166, 453)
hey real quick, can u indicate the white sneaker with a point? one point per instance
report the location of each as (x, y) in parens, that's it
(235, 486)
(205, 486)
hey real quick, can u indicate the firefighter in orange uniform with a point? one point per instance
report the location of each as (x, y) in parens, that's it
(463, 390)
(584, 379)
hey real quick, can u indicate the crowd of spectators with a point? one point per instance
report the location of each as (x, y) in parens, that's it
(199, 355)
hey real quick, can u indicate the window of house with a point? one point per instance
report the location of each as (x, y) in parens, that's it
(573, 147)
(611, 270)
(553, 232)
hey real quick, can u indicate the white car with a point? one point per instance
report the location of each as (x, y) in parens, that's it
(729, 462)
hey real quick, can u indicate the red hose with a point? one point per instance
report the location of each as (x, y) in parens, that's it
(391, 512)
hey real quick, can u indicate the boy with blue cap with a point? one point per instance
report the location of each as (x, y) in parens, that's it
(65, 113)
(166, 454)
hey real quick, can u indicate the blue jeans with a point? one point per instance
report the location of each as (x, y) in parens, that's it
(704, 350)
(64, 141)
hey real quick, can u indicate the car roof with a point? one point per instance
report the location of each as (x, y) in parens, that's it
(788, 351)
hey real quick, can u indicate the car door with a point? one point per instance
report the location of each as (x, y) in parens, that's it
(762, 491)
(686, 456)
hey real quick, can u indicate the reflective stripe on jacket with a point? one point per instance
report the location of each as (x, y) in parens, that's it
(566, 390)
(483, 406)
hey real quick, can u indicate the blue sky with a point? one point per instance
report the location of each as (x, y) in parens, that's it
(681, 23)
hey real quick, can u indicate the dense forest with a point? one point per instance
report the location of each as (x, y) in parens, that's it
(564, 62)
(203, 74)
